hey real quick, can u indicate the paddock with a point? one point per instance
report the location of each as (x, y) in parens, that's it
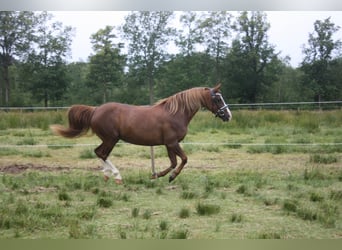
(266, 174)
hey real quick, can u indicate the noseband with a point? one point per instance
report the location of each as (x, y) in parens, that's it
(220, 111)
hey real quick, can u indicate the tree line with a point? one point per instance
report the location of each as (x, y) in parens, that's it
(131, 63)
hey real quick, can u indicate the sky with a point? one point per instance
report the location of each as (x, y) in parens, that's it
(288, 32)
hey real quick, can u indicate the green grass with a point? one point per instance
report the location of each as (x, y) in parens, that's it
(235, 186)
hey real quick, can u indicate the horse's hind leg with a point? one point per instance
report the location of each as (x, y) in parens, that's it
(109, 169)
(178, 151)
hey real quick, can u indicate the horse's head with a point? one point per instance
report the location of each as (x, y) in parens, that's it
(218, 105)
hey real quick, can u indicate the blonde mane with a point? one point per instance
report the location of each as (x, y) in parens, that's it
(190, 100)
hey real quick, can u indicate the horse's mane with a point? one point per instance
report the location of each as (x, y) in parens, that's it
(190, 100)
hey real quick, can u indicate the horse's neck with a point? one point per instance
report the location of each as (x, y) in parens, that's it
(188, 115)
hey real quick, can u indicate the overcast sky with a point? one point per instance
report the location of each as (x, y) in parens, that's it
(289, 29)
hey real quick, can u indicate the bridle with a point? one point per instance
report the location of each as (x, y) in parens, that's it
(215, 98)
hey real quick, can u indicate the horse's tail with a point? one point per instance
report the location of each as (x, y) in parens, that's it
(79, 122)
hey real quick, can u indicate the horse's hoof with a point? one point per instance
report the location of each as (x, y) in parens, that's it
(118, 181)
(154, 176)
(171, 178)
(106, 178)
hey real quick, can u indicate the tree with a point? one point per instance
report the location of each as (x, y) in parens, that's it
(106, 67)
(183, 72)
(45, 69)
(78, 91)
(148, 34)
(252, 64)
(216, 30)
(335, 89)
(16, 30)
(287, 87)
(317, 58)
(190, 35)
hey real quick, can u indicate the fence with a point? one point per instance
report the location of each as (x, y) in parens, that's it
(291, 105)
(253, 106)
(270, 105)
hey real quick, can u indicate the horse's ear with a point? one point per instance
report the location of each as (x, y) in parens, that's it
(217, 88)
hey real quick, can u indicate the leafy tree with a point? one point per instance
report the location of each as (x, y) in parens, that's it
(252, 64)
(287, 87)
(317, 58)
(190, 35)
(216, 31)
(334, 90)
(148, 34)
(44, 73)
(16, 29)
(78, 90)
(183, 72)
(106, 67)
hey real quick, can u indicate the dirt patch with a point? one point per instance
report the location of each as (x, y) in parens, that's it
(19, 168)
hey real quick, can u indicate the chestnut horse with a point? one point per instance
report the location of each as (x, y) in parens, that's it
(164, 123)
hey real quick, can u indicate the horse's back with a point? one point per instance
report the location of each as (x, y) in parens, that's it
(142, 125)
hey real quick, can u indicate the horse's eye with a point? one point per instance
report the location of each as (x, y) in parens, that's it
(218, 100)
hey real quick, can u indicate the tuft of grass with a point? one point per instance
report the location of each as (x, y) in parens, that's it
(269, 235)
(64, 196)
(180, 234)
(184, 213)
(87, 154)
(323, 159)
(75, 230)
(135, 212)
(207, 209)
(290, 205)
(314, 174)
(245, 190)
(336, 195)
(104, 202)
(316, 197)
(164, 225)
(307, 213)
(147, 214)
(188, 195)
(27, 141)
(236, 218)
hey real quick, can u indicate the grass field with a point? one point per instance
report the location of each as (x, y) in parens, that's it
(266, 174)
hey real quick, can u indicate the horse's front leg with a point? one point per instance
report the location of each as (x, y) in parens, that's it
(173, 151)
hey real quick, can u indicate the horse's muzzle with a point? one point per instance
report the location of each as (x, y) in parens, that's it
(224, 113)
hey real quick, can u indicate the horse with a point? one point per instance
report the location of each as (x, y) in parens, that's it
(164, 123)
